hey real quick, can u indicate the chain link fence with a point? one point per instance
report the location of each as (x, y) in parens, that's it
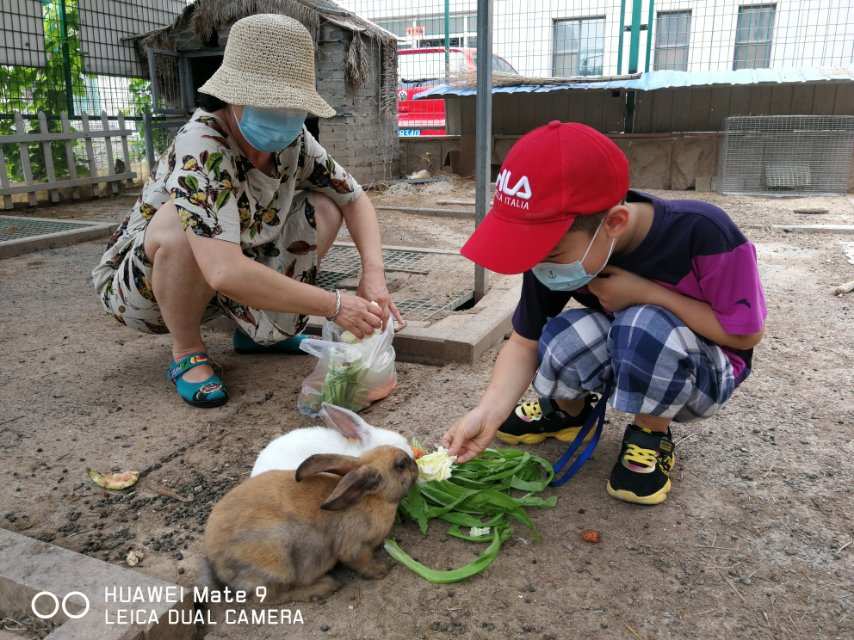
(76, 57)
(553, 39)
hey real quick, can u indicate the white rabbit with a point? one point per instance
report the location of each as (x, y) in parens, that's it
(349, 435)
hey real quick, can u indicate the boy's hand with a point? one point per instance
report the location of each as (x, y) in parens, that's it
(617, 289)
(469, 436)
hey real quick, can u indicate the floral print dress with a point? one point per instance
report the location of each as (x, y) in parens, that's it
(219, 194)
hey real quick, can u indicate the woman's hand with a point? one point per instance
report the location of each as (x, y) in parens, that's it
(372, 287)
(470, 435)
(358, 316)
(617, 289)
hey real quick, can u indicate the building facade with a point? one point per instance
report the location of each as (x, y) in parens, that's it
(566, 38)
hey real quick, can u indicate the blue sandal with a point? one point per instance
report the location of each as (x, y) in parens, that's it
(244, 344)
(205, 394)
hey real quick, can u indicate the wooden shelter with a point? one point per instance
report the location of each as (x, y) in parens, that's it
(356, 65)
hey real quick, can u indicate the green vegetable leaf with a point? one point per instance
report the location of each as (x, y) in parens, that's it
(478, 494)
(437, 576)
(415, 507)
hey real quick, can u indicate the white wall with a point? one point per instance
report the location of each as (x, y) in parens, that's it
(807, 33)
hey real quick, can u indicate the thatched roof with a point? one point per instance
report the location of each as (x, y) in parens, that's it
(201, 23)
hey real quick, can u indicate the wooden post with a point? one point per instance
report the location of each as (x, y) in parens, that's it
(90, 151)
(125, 151)
(111, 164)
(24, 152)
(4, 181)
(148, 134)
(69, 154)
(47, 149)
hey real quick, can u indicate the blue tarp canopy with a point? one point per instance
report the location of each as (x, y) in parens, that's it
(654, 80)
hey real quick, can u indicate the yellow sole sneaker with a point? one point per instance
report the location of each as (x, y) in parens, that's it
(627, 496)
(564, 435)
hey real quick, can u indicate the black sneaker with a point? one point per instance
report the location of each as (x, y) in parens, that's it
(642, 472)
(532, 422)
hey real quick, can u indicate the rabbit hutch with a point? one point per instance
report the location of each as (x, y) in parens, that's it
(356, 64)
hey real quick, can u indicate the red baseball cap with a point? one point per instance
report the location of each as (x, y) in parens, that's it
(551, 175)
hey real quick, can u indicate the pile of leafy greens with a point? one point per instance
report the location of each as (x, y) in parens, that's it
(478, 496)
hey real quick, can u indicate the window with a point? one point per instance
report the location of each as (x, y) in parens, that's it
(578, 47)
(753, 36)
(672, 33)
(429, 31)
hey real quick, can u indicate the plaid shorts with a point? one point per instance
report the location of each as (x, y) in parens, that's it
(658, 366)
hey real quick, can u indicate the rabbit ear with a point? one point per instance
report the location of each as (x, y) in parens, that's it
(349, 424)
(326, 463)
(352, 487)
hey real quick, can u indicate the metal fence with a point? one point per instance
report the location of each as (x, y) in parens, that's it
(594, 38)
(787, 155)
(76, 57)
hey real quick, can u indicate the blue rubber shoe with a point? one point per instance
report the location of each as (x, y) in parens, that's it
(206, 394)
(245, 344)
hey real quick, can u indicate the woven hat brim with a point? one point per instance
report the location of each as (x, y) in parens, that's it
(254, 90)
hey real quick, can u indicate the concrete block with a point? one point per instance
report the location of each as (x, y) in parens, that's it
(692, 156)
(703, 183)
(85, 231)
(649, 161)
(463, 336)
(29, 566)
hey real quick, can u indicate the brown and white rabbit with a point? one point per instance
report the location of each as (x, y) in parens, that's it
(285, 530)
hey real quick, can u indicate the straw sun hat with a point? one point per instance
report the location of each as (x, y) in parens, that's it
(268, 62)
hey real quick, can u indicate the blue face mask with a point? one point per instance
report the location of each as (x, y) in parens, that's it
(570, 276)
(270, 129)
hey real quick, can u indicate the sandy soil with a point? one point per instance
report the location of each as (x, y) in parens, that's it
(754, 541)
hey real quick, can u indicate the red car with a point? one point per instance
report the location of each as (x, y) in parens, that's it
(420, 69)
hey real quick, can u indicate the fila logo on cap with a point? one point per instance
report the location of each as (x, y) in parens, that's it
(521, 189)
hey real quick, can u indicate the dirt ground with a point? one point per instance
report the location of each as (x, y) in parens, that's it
(754, 542)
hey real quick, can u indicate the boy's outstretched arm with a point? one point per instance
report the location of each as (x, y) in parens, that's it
(618, 289)
(514, 370)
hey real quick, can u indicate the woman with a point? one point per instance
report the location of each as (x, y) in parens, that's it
(241, 207)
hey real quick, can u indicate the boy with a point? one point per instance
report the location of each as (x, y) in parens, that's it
(672, 306)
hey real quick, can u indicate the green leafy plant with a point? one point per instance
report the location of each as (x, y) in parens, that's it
(479, 496)
(140, 98)
(342, 384)
(44, 89)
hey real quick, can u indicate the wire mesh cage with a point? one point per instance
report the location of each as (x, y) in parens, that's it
(786, 155)
(167, 93)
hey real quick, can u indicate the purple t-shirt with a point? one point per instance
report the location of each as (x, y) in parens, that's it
(693, 248)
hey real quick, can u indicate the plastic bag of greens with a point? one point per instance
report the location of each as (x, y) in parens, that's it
(350, 373)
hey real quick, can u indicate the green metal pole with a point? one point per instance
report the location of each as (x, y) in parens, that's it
(447, 40)
(634, 42)
(66, 59)
(634, 50)
(620, 38)
(649, 34)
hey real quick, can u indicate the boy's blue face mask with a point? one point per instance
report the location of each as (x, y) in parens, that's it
(270, 130)
(572, 275)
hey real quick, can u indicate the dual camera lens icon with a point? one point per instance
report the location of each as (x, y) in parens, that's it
(46, 605)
